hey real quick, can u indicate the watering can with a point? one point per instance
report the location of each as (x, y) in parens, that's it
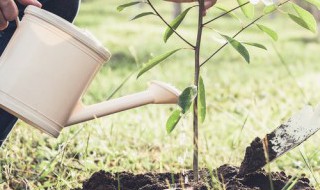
(48, 66)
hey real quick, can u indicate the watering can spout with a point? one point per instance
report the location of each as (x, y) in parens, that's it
(157, 93)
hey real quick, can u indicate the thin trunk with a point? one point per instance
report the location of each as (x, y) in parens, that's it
(176, 9)
(196, 82)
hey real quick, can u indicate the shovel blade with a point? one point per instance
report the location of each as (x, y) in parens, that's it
(287, 136)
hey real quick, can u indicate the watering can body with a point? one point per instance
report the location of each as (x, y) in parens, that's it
(44, 88)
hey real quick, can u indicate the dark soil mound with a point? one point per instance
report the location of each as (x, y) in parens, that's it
(260, 180)
(256, 153)
(227, 175)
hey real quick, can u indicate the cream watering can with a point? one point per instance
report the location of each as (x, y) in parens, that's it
(44, 88)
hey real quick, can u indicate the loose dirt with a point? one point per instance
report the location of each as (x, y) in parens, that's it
(258, 154)
(228, 177)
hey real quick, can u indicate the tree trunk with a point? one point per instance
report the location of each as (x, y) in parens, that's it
(176, 9)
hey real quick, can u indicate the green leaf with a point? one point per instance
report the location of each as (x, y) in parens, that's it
(202, 107)
(186, 98)
(225, 9)
(155, 61)
(255, 45)
(270, 9)
(315, 3)
(307, 17)
(268, 31)
(304, 18)
(121, 7)
(142, 15)
(175, 24)
(248, 9)
(239, 47)
(173, 120)
(298, 20)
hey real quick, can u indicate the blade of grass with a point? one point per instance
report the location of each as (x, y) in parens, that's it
(287, 69)
(63, 145)
(236, 141)
(121, 85)
(306, 161)
(291, 183)
(266, 154)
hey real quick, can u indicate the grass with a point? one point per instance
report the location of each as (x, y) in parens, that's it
(244, 101)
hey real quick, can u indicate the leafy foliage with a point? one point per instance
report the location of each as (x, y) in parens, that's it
(173, 120)
(248, 9)
(185, 101)
(225, 9)
(175, 24)
(155, 61)
(268, 31)
(142, 15)
(315, 3)
(202, 107)
(186, 98)
(269, 9)
(239, 47)
(304, 18)
(122, 7)
(255, 45)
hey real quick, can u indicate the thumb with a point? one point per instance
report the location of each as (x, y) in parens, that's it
(30, 2)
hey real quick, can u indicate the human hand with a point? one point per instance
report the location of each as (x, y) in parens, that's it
(9, 10)
(207, 3)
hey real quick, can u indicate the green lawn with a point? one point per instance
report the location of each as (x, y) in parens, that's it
(262, 93)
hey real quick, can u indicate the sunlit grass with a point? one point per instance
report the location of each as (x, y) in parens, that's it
(244, 101)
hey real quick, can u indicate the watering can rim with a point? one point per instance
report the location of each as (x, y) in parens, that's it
(82, 36)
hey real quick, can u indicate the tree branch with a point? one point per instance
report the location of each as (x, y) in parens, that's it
(166, 23)
(225, 13)
(240, 31)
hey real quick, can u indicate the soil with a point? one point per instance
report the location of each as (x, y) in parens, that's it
(258, 154)
(228, 176)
